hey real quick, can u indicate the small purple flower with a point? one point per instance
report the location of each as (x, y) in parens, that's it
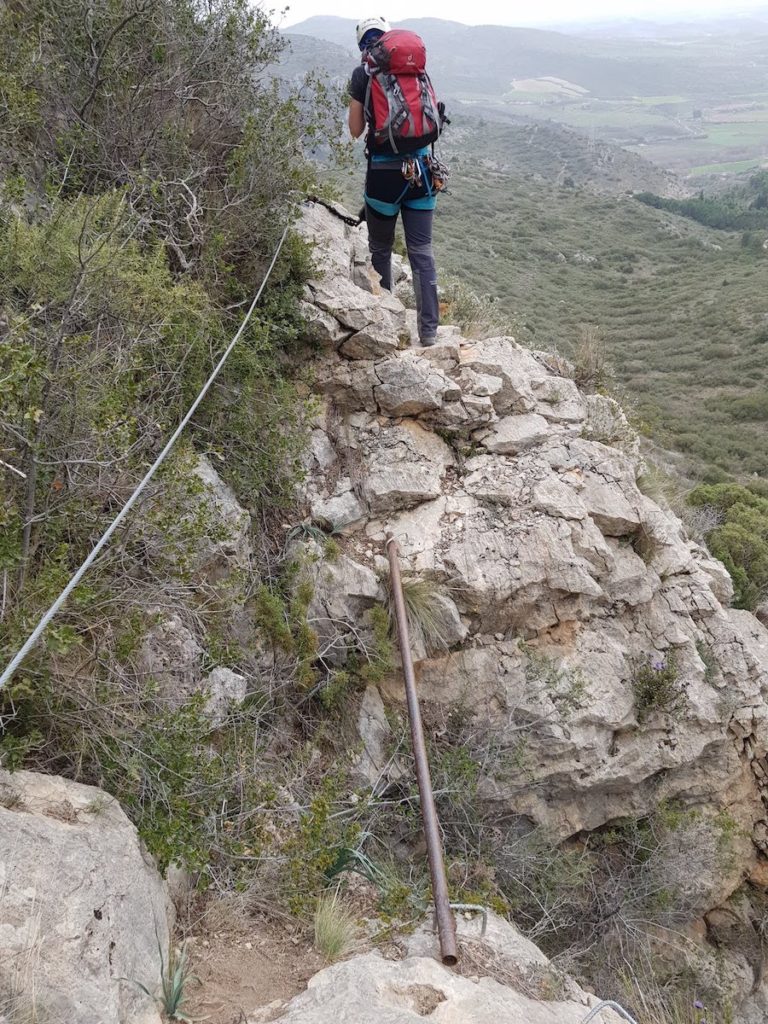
(658, 666)
(698, 1005)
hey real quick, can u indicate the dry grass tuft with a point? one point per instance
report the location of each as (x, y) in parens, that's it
(335, 930)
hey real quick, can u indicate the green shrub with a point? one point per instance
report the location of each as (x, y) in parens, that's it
(740, 540)
(380, 659)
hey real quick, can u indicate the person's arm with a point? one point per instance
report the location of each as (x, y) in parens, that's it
(356, 119)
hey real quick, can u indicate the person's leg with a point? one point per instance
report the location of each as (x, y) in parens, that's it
(381, 237)
(418, 241)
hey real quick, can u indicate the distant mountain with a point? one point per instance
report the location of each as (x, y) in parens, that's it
(753, 22)
(549, 152)
(472, 60)
(307, 53)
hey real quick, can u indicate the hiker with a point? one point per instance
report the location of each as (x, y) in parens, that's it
(391, 96)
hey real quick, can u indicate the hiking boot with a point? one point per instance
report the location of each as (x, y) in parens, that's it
(426, 342)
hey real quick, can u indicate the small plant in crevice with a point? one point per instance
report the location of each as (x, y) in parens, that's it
(176, 976)
(591, 369)
(313, 848)
(280, 612)
(565, 687)
(380, 657)
(657, 686)
(426, 613)
(708, 659)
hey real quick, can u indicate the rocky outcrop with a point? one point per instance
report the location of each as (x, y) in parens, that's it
(83, 917)
(599, 642)
(505, 980)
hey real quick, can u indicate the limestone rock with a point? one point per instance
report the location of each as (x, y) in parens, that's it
(331, 237)
(343, 591)
(341, 509)
(358, 310)
(225, 688)
(608, 505)
(411, 385)
(404, 466)
(376, 763)
(605, 421)
(513, 365)
(571, 585)
(495, 479)
(349, 385)
(171, 655)
(445, 353)
(378, 991)
(372, 342)
(559, 400)
(322, 328)
(514, 434)
(83, 913)
(229, 523)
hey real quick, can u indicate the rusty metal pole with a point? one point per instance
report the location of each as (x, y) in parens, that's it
(446, 925)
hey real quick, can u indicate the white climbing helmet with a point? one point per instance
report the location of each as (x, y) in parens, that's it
(380, 24)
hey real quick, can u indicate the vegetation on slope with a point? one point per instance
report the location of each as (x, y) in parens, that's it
(742, 208)
(740, 537)
(148, 166)
(681, 307)
(141, 203)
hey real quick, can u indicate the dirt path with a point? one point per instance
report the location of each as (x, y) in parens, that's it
(246, 965)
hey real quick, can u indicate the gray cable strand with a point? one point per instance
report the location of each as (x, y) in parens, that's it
(43, 623)
(608, 1004)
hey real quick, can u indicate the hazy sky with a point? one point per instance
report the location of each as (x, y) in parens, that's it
(496, 12)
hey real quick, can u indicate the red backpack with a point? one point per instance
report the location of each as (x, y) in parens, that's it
(400, 102)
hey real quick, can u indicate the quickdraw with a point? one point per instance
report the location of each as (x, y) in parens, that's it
(439, 172)
(412, 171)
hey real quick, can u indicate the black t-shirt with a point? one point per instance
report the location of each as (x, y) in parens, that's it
(358, 84)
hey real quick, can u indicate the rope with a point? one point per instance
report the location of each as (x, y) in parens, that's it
(43, 623)
(608, 1004)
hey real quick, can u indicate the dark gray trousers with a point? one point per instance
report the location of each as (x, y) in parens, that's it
(417, 225)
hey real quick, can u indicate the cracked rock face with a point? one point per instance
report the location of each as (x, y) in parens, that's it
(82, 909)
(516, 495)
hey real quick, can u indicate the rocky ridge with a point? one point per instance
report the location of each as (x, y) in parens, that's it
(576, 607)
(584, 639)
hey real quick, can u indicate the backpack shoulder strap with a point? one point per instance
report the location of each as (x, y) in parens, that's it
(367, 101)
